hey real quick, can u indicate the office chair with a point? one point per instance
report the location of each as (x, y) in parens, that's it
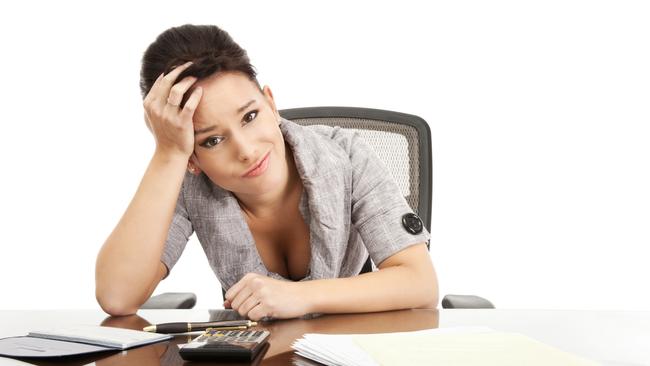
(403, 142)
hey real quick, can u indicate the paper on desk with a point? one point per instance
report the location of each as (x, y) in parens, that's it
(445, 346)
(486, 349)
(341, 349)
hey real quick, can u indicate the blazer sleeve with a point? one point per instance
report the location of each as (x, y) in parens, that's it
(380, 213)
(178, 235)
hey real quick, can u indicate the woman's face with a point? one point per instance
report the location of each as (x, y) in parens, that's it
(236, 128)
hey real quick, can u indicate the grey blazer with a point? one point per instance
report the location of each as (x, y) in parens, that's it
(350, 202)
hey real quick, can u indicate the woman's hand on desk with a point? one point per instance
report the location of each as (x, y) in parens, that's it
(257, 296)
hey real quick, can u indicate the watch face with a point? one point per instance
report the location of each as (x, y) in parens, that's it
(412, 223)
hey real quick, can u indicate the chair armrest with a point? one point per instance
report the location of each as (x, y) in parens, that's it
(171, 300)
(465, 302)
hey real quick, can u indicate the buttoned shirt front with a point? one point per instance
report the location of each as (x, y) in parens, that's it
(350, 202)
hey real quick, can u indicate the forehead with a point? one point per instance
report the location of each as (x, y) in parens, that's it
(223, 94)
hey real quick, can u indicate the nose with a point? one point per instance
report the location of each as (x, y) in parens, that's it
(244, 147)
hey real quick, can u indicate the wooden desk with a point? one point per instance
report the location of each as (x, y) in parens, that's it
(610, 337)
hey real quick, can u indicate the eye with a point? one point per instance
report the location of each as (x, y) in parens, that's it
(248, 115)
(211, 141)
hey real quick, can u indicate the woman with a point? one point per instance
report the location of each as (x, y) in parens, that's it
(287, 215)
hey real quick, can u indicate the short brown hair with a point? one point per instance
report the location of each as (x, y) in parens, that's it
(210, 48)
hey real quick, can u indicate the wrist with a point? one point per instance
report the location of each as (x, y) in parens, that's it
(176, 165)
(171, 157)
(309, 298)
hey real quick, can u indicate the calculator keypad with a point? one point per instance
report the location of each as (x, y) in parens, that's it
(225, 344)
(224, 337)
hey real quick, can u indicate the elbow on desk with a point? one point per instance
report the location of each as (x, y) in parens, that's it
(429, 293)
(113, 305)
(431, 302)
(115, 308)
(429, 297)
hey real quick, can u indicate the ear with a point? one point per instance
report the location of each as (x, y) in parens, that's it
(193, 165)
(268, 95)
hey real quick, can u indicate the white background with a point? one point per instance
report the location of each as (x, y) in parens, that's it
(538, 110)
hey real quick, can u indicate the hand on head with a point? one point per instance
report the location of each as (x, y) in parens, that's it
(172, 126)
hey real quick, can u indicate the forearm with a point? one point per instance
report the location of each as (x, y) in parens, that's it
(128, 261)
(392, 288)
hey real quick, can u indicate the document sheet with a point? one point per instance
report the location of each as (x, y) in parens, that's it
(444, 346)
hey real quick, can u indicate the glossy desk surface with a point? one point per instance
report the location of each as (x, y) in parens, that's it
(609, 337)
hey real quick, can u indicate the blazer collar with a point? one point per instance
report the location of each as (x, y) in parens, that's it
(326, 175)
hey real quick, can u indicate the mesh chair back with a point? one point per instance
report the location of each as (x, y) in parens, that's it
(402, 141)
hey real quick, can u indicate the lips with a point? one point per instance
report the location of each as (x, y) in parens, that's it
(257, 168)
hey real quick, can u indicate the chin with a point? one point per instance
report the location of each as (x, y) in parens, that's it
(270, 181)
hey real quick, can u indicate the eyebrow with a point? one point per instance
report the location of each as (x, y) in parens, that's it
(239, 111)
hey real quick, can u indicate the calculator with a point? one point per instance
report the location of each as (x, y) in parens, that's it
(213, 344)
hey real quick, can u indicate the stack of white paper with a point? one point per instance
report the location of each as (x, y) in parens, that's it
(342, 350)
(445, 346)
(332, 350)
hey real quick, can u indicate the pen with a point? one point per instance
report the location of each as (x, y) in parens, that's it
(191, 327)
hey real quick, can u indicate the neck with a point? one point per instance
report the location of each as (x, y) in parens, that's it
(271, 203)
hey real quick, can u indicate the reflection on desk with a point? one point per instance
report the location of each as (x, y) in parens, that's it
(609, 337)
(283, 332)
